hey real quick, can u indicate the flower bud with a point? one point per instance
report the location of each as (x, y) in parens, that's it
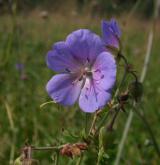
(111, 34)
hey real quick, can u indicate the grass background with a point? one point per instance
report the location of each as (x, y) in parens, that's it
(22, 120)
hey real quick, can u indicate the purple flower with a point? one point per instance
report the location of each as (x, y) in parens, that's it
(19, 66)
(111, 34)
(87, 72)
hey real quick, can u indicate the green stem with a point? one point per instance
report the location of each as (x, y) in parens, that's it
(93, 123)
(121, 83)
(100, 152)
(103, 120)
(79, 160)
(56, 158)
(47, 148)
(86, 123)
(110, 126)
(46, 103)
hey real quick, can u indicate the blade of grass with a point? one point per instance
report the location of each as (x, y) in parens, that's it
(11, 123)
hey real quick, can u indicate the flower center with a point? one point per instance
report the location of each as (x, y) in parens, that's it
(87, 72)
(82, 74)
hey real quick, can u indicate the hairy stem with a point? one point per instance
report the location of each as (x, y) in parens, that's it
(110, 126)
(79, 160)
(86, 123)
(47, 148)
(93, 123)
(56, 158)
(103, 120)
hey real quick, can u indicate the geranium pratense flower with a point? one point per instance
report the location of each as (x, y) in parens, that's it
(111, 34)
(87, 72)
(19, 66)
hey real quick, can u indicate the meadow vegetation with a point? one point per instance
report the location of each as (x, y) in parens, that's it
(22, 121)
